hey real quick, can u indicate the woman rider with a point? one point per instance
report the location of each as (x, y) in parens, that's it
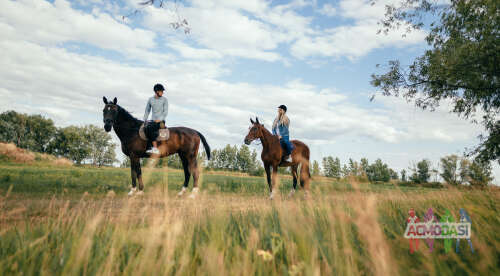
(280, 128)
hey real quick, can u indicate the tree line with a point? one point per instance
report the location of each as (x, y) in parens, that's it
(87, 144)
(452, 169)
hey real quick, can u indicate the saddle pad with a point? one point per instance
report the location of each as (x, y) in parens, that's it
(163, 134)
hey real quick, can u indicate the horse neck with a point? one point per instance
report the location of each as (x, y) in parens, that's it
(124, 126)
(266, 138)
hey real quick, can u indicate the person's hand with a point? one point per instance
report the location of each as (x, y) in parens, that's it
(279, 136)
(157, 121)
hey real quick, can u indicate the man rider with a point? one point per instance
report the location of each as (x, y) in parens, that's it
(159, 107)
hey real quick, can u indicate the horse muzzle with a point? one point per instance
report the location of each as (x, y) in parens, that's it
(108, 124)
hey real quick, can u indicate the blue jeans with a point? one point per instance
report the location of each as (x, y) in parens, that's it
(285, 143)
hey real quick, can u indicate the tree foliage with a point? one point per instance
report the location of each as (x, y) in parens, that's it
(315, 168)
(461, 66)
(232, 158)
(378, 171)
(36, 133)
(421, 172)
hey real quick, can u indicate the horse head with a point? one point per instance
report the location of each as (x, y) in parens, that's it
(255, 131)
(110, 113)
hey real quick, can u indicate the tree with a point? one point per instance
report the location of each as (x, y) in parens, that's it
(378, 171)
(403, 175)
(13, 128)
(39, 132)
(243, 159)
(449, 166)
(179, 23)
(480, 173)
(475, 173)
(421, 173)
(70, 142)
(315, 168)
(393, 174)
(462, 64)
(363, 165)
(101, 148)
(331, 167)
(353, 167)
(345, 172)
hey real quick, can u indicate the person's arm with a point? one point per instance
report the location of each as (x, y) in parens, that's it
(165, 109)
(274, 127)
(146, 112)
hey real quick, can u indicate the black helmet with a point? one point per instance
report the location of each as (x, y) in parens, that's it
(282, 107)
(158, 87)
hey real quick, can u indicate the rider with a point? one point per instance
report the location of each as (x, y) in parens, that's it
(280, 128)
(159, 105)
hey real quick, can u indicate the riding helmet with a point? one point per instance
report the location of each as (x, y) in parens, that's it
(282, 107)
(158, 87)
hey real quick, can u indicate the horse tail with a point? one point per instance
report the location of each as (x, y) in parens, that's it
(305, 174)
(205, 144)
(306, 162)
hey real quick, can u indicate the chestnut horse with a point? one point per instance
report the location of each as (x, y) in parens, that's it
(183, 141)
(272, 153)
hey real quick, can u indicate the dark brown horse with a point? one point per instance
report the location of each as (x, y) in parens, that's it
(272, 154)
(183, 141)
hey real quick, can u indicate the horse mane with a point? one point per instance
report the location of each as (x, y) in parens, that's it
(128, 117)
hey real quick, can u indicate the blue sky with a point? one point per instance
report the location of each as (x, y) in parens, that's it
(242, 58)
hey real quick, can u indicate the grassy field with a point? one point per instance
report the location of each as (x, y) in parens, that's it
(63, 220)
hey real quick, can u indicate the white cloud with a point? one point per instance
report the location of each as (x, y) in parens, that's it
(355, 40)
(328, 10)
(54, 23)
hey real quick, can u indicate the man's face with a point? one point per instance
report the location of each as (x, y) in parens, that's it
(159, 93)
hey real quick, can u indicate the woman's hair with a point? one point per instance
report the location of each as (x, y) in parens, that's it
(282, 120)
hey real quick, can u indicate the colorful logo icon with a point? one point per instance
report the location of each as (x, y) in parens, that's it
(446, 229)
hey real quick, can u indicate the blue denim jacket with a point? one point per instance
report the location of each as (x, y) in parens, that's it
(283, 130)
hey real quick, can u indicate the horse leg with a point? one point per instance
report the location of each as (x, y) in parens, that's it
(305, 176)
(187, 174)
(294, 174)
(273, 181)
(267, 167)
(133, 175)
(136, 167)
(193, 169)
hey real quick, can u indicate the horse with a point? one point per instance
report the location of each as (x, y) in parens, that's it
(183, 141)
(272, 153)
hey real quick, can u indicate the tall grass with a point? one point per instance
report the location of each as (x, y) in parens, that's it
(343, 228)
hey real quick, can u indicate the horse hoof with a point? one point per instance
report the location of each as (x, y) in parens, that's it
(181, 192)
(194, 192)
(140, 193)
(271, 196)
(292, 192)
(132, 191)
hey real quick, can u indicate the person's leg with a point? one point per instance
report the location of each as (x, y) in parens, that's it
(288, 145)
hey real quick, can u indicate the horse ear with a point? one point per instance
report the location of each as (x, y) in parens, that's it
(115, 100)
(105, 100)
(251, 121)
(257, 120)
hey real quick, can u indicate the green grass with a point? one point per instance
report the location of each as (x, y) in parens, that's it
(75, 220)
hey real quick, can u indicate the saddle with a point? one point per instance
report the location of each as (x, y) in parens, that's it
(151, 131)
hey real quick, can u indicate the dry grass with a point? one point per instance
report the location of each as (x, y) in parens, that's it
(348, 233)
(18, 155)
(343, 228)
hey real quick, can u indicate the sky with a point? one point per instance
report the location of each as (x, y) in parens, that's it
(240, 59)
